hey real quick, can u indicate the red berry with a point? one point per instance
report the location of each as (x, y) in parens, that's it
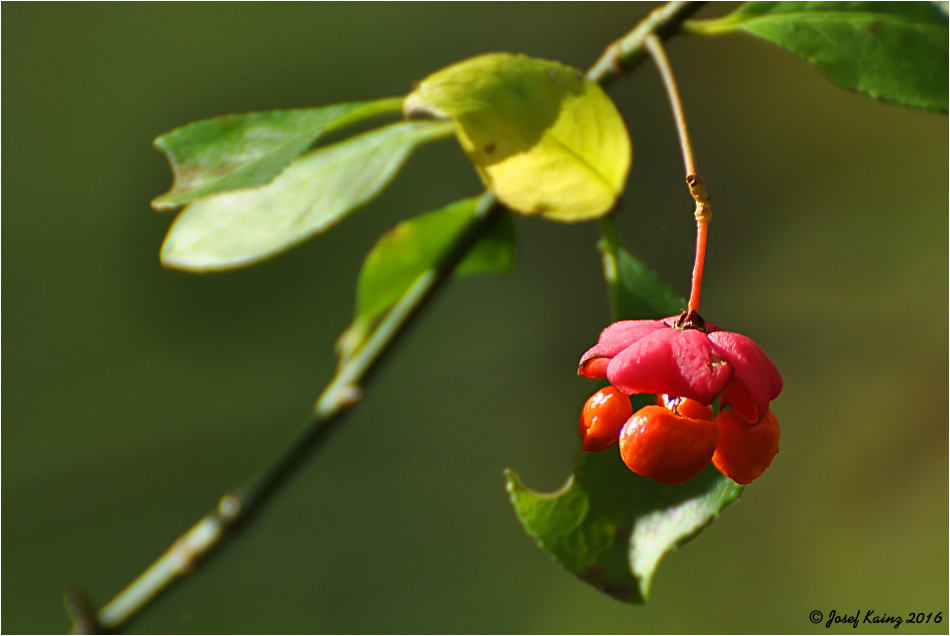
(602, 417)
(745, 450)
(738, 399)
(686, 407)
(672, 449)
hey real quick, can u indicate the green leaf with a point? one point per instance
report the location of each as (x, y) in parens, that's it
(544, 139)
(610, 527)
(635, 290)
(418, 244)
(607, 525)
(233, 152)
(896, 51)
(239, 228)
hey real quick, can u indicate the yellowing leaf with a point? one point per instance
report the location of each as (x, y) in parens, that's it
(544, 139)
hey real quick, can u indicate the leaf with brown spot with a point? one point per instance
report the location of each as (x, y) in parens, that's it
(545, 140)
(895, 51)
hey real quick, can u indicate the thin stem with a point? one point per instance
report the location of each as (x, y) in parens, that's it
(610, 249)
(237, 507)
(696, 287)
(703, 211)
(703, 215)
(655, 49)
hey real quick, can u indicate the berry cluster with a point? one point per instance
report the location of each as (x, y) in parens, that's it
(688, 363)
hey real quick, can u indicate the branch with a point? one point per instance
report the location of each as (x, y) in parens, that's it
(628, 52)
(234, 509)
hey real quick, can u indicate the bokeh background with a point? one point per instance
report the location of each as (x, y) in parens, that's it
(133, 396)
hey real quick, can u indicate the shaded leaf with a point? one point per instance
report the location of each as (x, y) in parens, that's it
(241, 227)
(607, 525)
(233, 152)
(610, 527)
(412, 247)
(635, 290)
(544, 139)
(895, 51)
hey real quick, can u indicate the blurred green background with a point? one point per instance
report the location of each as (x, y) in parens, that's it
(134, 396)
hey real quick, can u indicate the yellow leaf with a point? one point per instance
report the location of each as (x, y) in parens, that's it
(545, 140)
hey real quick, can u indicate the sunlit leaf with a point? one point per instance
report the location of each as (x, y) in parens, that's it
(241, 227)
(233, 152)
(414, 246)
(544, 139)
(896, 51)
(607, 525)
